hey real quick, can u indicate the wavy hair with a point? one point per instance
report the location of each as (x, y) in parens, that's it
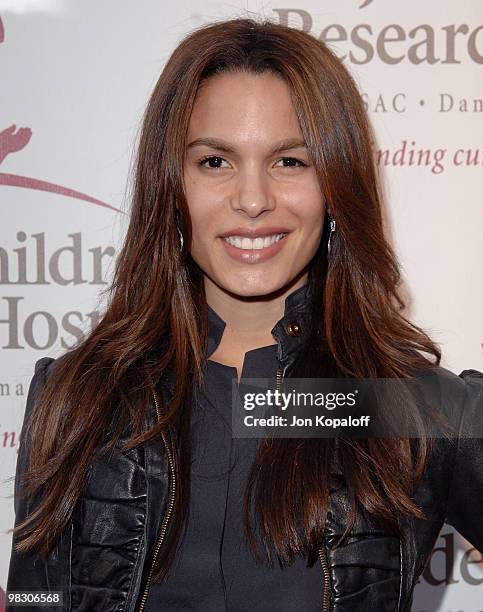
(155, 323)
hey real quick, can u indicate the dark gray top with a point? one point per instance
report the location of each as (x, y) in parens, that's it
(214, 570)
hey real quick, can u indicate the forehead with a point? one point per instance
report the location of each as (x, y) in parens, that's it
(244, 105)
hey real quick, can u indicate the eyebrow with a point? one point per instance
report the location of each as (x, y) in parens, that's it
(221, 145)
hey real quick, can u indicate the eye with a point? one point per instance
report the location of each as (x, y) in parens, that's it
(213, 162)
(300, 163)
(212, 159)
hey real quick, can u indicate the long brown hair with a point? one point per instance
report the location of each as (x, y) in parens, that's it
(154, 327)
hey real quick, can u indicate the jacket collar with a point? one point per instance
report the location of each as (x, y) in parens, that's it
(290, 331)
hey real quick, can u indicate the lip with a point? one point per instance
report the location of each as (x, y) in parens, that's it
(253, 256)
(255, 233)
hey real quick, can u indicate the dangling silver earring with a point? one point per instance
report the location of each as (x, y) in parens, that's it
(332, 230)
(181, 240)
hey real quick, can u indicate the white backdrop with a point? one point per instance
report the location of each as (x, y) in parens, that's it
(75, 79)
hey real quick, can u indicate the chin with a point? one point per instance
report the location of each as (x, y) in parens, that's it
(254, 288)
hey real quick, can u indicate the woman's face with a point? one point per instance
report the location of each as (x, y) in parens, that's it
(247, 169)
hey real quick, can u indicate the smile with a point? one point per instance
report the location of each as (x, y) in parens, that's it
(262, 242)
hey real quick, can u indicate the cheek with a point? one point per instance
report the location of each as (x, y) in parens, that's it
(203, 222)
(203, 218)
(305, 199)
(315, 206)
(310, 212)
(200, 206)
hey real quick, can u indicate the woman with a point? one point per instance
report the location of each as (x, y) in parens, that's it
(255, 249)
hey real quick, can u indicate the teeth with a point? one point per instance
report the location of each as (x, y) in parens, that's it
(258, 243)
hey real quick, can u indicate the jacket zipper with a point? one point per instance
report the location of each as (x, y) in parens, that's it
(322, 553)
(325, 572)
(168, 513)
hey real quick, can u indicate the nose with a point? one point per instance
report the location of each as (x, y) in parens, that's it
(253, 194)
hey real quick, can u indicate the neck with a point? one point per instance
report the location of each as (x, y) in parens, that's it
(249, 320)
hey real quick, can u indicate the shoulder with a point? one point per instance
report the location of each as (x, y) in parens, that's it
(45, 366)
(42, 365)
(458, 396)
(452, 388)
(465, 496)
(471, 424)
(43, 370)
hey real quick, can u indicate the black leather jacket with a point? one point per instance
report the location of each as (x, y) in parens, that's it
(100, 562)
